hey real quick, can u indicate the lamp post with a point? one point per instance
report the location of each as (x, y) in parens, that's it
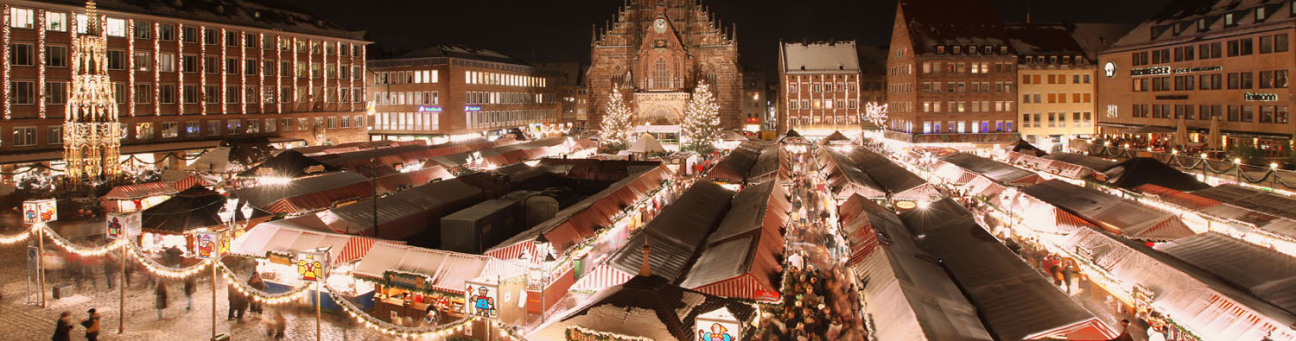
(1237, 163)
(1273, 175)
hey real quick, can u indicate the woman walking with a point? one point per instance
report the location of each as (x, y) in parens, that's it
(161, 302)
(63, 328)
(91, 324)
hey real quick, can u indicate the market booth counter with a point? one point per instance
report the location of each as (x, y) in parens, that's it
(410, 282)
(286, 255)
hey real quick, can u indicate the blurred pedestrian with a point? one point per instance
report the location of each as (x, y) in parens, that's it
(161, 303)
(63, 328)
(110, 269)
(91, 324)
(237, 304)
(189, 288)
(256, 283)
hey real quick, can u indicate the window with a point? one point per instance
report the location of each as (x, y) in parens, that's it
(285, 69)
(167, 93)
(212, 64)
(1266, 114)
(1248, 113)
(213, 128)
(143, 93)
(170, 130)
(191, 94)
(56, 56)
(143, 30)
(267, 42)
(1280, 116)
(115, 27)
(55, 21)
(119, 92)
(116, 60)
(1228, 20)
(193, 128)
(211, 37)
(55, 135)
(211, 94)
(270, 125)
(231, 94)
(166, 32)
(190, 63)
(190, 34)
(1261, 14)
(249, 40)
(1266, 44)
(144, 131)
(24, 136)
(231, 66)
(250, 67)
(143, 60)
(231, 38)
(22, 17)
(56, 92)
(167, 62)
(21, 54)
(234, 126)
(1280, 43)
(22, 92)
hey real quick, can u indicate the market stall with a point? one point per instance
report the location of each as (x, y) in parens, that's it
(1114, 214)
(997, 171)
(135, 197)
(169, 223)
(277, 248)
(410, 280)
(741, 258)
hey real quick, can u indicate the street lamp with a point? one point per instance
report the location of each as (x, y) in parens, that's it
(1237, 163)
(1273, 175)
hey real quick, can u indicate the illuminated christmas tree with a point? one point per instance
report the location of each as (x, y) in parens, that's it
(615, 130)
(701, 126)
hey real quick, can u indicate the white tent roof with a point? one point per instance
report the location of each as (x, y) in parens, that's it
(647, 144)
(266, 237)
(214, 161)
(448, 270)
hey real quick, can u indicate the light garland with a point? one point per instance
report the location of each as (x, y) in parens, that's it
(157, 75)
(40, 59)
(180, 71)
(371, 322)
(20, 237)
(242, 95)
(83, 251)
(296, 295)
(160, 270)
(224, 75)
(278, 75)
(8, 110)
(202, 73)
(130, 65)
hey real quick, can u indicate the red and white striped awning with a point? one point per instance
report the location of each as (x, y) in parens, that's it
(357, 247)
(603, 277)
(514, 251)
(1090, 329)
(742, 287)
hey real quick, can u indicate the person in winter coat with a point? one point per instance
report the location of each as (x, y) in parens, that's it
(256, 283)
(161, 302)
(189, 288)
(63, 328)
(237, 303)
(91, 324)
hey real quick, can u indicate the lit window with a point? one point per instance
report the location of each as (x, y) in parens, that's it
(55, 21)
(22, 18)
(115, 27)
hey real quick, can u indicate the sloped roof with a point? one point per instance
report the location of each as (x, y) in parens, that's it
(358, 217)
(1257, 200)
(992, 169)
(1114, 214)
(677, 232)
(952, 22)
(1144, 170)
(1093, 162)
(288, 164)
(266, 14)
(820, 57)
(191, 209)
(748, 240)
(648, 307)
(1178, 20)
(1043, 40)
(1263, 273)
(1014, 301)
(462, 51)
(1096, 37)
(890, 176)
(264, 195)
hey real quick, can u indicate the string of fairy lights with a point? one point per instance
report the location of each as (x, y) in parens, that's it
(295, 295)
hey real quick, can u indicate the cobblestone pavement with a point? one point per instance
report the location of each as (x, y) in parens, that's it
(24, 321)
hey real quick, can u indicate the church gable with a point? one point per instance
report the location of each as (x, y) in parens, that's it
(663, 61)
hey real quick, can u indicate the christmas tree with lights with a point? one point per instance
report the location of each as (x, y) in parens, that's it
(701, 126)
(615, 130)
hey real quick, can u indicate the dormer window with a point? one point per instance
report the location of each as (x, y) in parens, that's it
(986, 49)
(971, 49)
(1030, 59)
(1066, 59)
(1228, 20)
(1052, 59)
(1003, 49)
(1202, 25)
(956, 49)
(1261, 14)
(940, 49)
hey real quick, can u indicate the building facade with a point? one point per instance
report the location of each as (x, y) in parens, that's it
(820, 87)
(873, 75)
(951, 74)
(181, 82)
(449, 90)
(1057, 86)
(755, 103)
(656, 52)
(573, 91)
(1203, 62)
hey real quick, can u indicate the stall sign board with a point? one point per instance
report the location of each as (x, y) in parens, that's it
(414, 281)
(39, 211)
(123, 225)
(279, 258)
(481, 299)
(718, 325)
(312, 265)
(210, 244)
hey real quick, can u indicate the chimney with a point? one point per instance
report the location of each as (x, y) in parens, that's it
(646, 269)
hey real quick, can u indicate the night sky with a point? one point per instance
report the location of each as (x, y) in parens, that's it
(559, 30)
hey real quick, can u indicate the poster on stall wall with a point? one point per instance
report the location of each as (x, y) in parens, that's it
(123, 225)
(208, 244)
(312, 265)
(481, 298)
(503, 300)
(718, 325)
(39, 211)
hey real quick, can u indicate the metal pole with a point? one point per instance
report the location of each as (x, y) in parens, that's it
(373, 166)
(121, 283)
(317, 309)
(40, 262)
(213, 265)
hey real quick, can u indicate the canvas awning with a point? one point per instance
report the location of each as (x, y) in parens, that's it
(995, 170)
(289, 164)
(277, 238)
(191, 209)
(140, 191)
(646, 144)
(448, 271)
(1114, 214)
(404, 213)
(734, 167)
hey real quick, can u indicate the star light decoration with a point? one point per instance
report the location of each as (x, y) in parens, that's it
(876, 113)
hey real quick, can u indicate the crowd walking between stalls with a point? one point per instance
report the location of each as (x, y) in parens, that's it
(819, 300)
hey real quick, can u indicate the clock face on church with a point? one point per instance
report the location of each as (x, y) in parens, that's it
(659, 25)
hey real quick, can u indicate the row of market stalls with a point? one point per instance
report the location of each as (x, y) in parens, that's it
(854, 170)
(963, 167)
(1255, 216)
(1113, 214)
(135, 197)
(309, 195)
(499, 156)
(733, 168)
(708, 243)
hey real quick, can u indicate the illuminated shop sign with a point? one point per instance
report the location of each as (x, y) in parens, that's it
(1254, 97)
(1149, 71)
(425, 108)
(1198, 69)
(472, 108)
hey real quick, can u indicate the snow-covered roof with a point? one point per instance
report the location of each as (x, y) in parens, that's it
(1178, 22)
(1042, 39)
(820, 57)
(952, 23)
(461, 51)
